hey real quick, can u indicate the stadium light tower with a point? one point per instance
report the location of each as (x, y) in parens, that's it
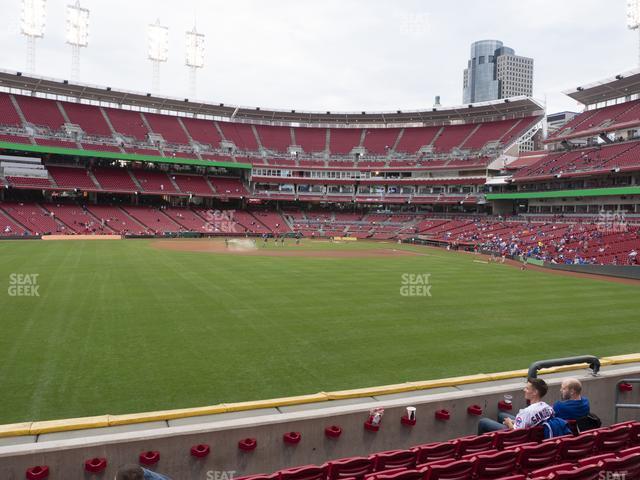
(34, 14)
(195, 58)
(633, 20)
(158, 52)
(77, 35)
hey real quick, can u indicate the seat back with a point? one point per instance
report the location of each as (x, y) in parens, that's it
(474, 444)
(394, 459)
(507, 438)
(356, 467)
(627, 468)
(574, 448)
(590, 472)
(435, 451)
(495, 465)
(550, 470)
(613, 439)
(409, 474)
(634, 434)
(457, 470)
(538, 456)
(309, 472)
(260, 476)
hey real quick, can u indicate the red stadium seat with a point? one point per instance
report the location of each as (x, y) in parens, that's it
(634, 434)
(613, 439)
(475, 444)
(628, 451)
(458, 470)
(309, 472)
(391, 471)
(574, 448)
(408, 474)
(260, 476)
(590, 472)
(435, 451)
(627, 467)
(393, 459)
(495, 465)
(595, 459)
(349, 467)
(507, 438)
(536, 457)
(550, 470)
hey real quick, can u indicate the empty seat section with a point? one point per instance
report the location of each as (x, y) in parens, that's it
(451, 137)
(231, 187)
(115, 179)
(343, 140)
(167, 126)
(15, 139)
(240, 134)
(117, 220)
(488, 132)
(202, 131)
(154, 181)
(8, 114)
(194, 184)
(33, 218)
(127, 123)
(380, 140)
(413, 138)
(311, 139)
(40, 111)
(88, 117)
(36, 182)
(9, 226)
(72, 177)
(274, 138)
(78, 219)
(189, 220)
(153, 218)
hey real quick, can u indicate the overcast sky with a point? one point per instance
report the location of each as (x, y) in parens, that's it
(335, 55)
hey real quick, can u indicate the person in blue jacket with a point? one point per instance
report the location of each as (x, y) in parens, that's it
(572, 405)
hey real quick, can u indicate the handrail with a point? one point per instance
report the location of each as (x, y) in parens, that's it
(594, 364)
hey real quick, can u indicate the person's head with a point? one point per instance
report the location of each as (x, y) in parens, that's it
(535, 389)
(571, 389)
(130, 472)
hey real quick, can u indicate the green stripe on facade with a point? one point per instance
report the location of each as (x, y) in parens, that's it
(129, 157)
(587, 192)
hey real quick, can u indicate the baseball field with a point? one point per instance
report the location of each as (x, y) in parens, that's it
(95, 327)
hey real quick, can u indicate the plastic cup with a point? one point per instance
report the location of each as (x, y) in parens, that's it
(411, 413)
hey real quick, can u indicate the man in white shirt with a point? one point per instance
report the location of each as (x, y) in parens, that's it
(535, 414)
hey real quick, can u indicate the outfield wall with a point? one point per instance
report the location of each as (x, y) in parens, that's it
(65, 451)
(621, 271)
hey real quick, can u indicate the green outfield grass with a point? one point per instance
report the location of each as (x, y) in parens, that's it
(122, 327)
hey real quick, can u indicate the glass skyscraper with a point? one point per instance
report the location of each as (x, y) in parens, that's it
(495, 71)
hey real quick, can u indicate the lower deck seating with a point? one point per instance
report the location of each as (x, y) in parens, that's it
(503, 455)
(34, 218)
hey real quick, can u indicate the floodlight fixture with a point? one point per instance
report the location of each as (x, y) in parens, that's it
(33, 23)
(77, 34)
(158, 49)
(194, 57)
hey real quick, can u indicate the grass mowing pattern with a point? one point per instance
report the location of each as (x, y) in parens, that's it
(121, 327)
